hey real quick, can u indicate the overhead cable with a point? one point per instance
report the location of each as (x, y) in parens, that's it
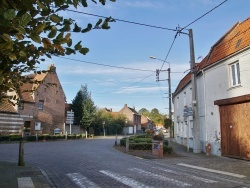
(126, 21)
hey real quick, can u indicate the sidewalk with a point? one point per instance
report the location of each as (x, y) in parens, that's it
(13, 176)
(201, 161)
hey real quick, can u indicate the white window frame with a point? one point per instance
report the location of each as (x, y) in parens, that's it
(235, 74)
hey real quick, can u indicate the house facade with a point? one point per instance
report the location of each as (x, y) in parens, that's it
(133, 124)
(43, 108)
(223, 95)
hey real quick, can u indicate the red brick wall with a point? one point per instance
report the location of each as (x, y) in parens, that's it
(53, 114)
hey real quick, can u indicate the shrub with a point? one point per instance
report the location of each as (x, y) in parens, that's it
(15, 137)
(123, 142)
(167, 149)
(4, 138)
(140, 146)
(165, 142)
(31, 138)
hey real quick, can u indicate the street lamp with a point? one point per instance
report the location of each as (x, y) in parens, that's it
(169, 93)
(103, 123)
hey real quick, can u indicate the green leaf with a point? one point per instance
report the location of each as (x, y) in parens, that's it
(77, 29)
(9, 14)
(24, 19)
(105, 25)
(78, 46)
(84, 3)
(35, 38)
(12, 57)
(48, 55)
(60, 36)
(6, 37)
(53, 32)
(89, 27)
(70, 51)
(22, 53)
(84, 51)
(69, 43)
(40, 27)
(98, 23)
(55, 18)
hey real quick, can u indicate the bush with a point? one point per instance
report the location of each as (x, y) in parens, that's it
(31, 138)
(140, 146)
(123, 142)
(15, 137)
(165, 142)
(167, 150)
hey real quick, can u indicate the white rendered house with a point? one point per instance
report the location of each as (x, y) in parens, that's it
(223, 88)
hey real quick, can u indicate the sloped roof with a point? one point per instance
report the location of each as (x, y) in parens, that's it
(133, 110)
(28, 96)
(6, 106)
(234, 40)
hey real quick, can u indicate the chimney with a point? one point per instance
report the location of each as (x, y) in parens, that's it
(125, 105)
(110, 109)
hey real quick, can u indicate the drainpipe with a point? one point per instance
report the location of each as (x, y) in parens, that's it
(205, 105)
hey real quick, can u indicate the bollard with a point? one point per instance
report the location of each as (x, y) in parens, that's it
(127, 144)
(21, 153)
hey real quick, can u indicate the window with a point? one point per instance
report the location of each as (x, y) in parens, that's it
(40, 105)
(235, 74)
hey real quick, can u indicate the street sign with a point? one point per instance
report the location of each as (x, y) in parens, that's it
(70, 117)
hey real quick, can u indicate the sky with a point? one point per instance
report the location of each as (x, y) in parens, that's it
(117, 70)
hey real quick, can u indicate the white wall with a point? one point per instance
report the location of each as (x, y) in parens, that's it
(216, 84)
(213, 84)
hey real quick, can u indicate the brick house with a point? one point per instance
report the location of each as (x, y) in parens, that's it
(43, 109)
(133, 124)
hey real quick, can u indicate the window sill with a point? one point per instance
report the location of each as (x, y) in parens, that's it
(235, 87)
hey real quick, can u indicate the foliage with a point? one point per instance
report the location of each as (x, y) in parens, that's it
(167, 150)
(31, 30)
(113, 123)
(154, 114)
(167, 123)
(83, 108)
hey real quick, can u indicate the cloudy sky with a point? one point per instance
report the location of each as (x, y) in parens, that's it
(118, 70)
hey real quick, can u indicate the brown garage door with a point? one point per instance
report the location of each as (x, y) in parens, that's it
(235, 130)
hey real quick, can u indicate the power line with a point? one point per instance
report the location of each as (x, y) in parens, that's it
(106, 65)
(128, 86)
(203, 15)
(126, 21)
(165, 60)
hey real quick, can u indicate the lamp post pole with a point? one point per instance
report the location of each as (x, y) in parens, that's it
(103, 123)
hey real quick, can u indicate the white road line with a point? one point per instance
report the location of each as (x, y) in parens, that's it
(188, 175)
(211, 170)
(25, 182)
(125, 180)
(177, 183)
(82, 181)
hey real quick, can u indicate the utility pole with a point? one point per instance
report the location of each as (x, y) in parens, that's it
(169, 97)
(196, 125)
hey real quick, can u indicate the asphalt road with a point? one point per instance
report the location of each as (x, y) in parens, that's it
(94, 163)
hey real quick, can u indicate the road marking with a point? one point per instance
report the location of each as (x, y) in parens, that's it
(177, 183)
(138, 158)
(82, 181)
(188, 175)
(125, 180)
(25, 182)
(211, 170)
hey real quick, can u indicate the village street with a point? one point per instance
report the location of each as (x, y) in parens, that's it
(95, 163)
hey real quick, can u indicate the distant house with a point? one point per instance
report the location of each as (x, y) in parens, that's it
(42, 106)
(147, 123)
(223, 92)
(133, 124)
